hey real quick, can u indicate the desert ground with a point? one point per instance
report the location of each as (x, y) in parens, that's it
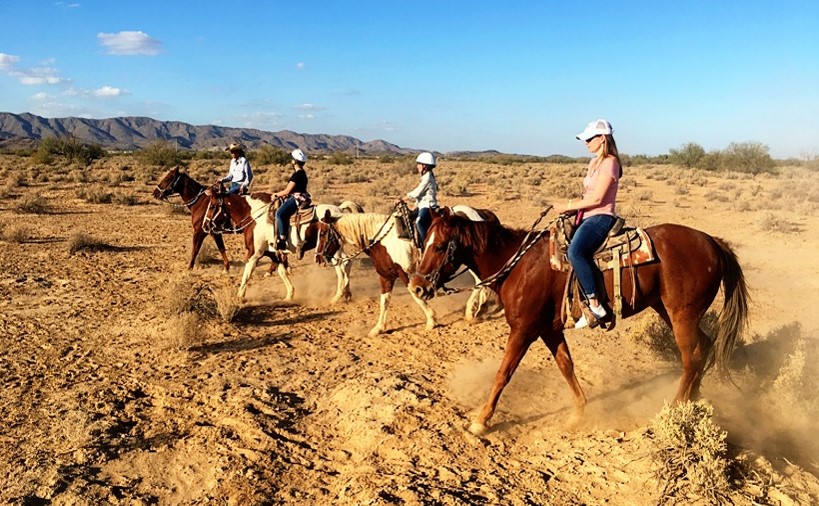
(115, 395)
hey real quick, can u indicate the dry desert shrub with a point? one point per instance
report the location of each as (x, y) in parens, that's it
(32, 204)
(184, 294)
(774, 224)
(796, 385)
(644, 195)
(227, 303)
(80, 241)
(124, 198)
(94, 194)
(16, 233)
(691, 454)
(184, 331)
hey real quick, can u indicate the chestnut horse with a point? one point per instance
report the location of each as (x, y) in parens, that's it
(680, 286)
(176, 182)
(253, 212)
(393, 257)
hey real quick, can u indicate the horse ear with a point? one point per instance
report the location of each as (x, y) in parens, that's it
(327, 216)
(444, 212)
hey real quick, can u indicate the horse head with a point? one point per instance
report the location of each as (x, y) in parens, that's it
(169, 184)
(443, 254)
(328, 241)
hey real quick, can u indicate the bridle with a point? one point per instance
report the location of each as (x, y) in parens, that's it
(214, 211)
(164, 193)
(334, 237)
(333, 240)
(434, 277)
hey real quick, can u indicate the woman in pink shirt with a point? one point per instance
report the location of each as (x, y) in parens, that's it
(595, 210)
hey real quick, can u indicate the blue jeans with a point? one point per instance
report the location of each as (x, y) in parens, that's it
(422, 223)
(283, 214)
(233, 189)
(587, 238)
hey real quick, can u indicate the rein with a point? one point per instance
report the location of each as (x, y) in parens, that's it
(528, 242)
(336, 236)
(207, 222)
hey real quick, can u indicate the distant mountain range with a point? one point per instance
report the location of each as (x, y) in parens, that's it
(128, 133)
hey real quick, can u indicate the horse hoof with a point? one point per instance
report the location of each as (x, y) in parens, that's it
(477, 429)
(374, 332)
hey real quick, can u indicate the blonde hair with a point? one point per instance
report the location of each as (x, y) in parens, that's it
(610, 149)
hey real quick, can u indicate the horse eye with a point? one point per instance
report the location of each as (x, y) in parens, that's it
(440, 247)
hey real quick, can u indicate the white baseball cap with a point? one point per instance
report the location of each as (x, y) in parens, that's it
(596, 127)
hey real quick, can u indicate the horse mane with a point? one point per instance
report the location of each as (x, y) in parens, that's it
(481, 235)
(361, 228)
(263, 196)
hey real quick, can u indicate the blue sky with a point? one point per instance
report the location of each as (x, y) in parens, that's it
(519, 77)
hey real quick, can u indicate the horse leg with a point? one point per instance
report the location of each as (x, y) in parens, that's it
(220, 245)
(343, 283)
(288, 285)
(426, 308)
(198, 237)
(249, 266)
(563, 359)
(386, 295)
(516, 346)
(694, 345)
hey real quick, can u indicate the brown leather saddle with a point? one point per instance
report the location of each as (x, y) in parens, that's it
(624, 247)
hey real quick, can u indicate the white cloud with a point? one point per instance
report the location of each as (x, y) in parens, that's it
(8, 60)
(307, 116)
(108, 91)
(39, 75)
(309, 107)
(130, 43)
(300, 65)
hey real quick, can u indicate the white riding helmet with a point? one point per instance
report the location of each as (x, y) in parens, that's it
(426, 158)
(299, 155)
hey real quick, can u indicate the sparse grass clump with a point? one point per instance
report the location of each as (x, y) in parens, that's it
(691, 453)
(32, 204)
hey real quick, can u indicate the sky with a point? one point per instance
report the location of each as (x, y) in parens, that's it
(518, 77)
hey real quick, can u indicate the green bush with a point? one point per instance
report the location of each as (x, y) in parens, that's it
(340, 159)
(269, 155)
(689, 155)
(161, 154)
(749, 157)
(69, 148)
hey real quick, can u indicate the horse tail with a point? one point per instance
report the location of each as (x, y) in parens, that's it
(734, 314)
(348, 206)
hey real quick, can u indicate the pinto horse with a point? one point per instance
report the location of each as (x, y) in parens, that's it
(176, 182)
(680, 286)
(251, 210)
(393, 257)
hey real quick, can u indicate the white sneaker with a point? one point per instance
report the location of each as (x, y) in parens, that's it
(599, 311)
(581, 323)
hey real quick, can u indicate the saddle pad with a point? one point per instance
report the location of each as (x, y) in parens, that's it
(635, 240)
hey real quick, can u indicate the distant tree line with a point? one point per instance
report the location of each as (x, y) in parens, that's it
(748, 157)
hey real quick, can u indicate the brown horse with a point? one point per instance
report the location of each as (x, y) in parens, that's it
(680, 286)
(176, 182)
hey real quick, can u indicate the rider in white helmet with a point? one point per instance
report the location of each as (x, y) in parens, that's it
(295, 196)
(425, 194)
